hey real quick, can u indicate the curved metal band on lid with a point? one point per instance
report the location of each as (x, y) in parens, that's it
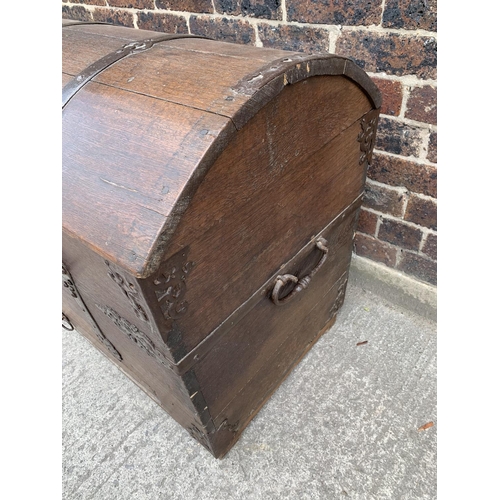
(72, 87)
(83, 23)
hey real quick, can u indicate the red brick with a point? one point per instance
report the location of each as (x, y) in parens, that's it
(422, 212)
(366, 246)
(367, 222)
(405, 173)
(394, 136)
(165, 23)
(263, 9)
(400, 234)
(76, 13)
(384, 200)
(430, 246)
(132, 4)
(432, 149)
(392, 96)
(410, 14)
(198, 6)
(120, 17)
(227, 30)
(297, 38)
(391, 53)
(422, 105)
(419, 267)
(345, 12)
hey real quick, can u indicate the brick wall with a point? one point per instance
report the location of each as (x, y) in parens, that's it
(395, 41)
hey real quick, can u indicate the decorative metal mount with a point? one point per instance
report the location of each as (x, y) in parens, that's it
(129, 290)
(366, 137)
(66, 323)
(199, 435)
(69, 284)
(339, 299)
(170, 287)
(134, 334)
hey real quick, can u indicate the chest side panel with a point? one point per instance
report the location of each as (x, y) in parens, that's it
(106, 289)
(287, 174)
(104, 303)
(267, 339)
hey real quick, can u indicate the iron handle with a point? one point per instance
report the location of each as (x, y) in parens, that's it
(300, 284)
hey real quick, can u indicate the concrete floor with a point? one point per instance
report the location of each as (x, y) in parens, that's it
(343, 425)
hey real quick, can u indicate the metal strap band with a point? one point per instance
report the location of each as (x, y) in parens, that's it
(83, 23)
(72, 87)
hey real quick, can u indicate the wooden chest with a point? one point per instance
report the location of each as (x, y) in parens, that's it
(210, 196)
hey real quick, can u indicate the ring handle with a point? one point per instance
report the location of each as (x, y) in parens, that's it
(301, 284)
(66, 320)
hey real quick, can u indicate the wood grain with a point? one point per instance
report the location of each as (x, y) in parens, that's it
(128, 156)
(271, 190)
(80, 48)
(98, 30)
(260, 389)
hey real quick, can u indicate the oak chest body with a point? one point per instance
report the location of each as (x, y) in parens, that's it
(210, 196)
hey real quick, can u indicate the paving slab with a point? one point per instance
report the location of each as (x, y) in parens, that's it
(345, 423)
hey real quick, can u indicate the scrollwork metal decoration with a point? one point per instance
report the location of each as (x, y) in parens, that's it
(129, 290)
(170, 288)
(69, 284)
(134, 334)
(339, 299)
(201, 437)
(366, 137)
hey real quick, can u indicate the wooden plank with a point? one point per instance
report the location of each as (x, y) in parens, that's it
(98, 30)
(129, 157)
(112, 58)
(84, 44)
(70, 22)
(94, 281)
(203, 83)
(209, 47)
(254, 396)
(235, 83)
(80, 48)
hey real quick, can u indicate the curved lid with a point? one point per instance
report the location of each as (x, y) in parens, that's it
(140, 135)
